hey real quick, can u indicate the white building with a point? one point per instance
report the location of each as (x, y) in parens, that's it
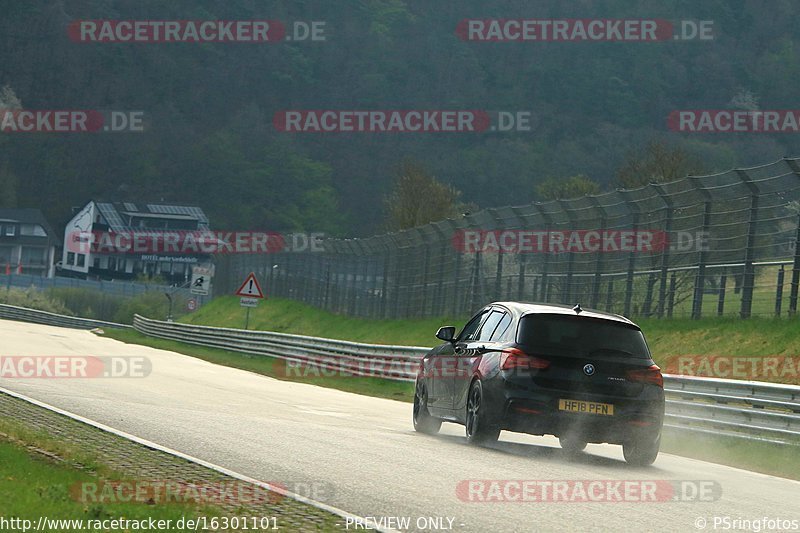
(132, 220)
(27, 243)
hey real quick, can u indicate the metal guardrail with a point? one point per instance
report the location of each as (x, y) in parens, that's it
(23, 314)
(391, 362)
(744, 409)
(749, 409)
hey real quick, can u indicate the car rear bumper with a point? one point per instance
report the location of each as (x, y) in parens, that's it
(537, 412)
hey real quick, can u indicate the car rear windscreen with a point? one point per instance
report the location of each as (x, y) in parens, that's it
(581, 336)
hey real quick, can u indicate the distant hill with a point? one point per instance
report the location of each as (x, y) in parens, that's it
(209, 137)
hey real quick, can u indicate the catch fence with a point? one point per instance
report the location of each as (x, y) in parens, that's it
(722, 244)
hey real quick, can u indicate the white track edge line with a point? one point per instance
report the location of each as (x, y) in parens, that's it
(201, 462)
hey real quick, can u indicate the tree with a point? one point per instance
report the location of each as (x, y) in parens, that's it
(419, 198)
(8, 99)
(9, 183)
(8, 187)
(657, 163)
(572, 187)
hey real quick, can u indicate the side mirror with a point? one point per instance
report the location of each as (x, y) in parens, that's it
(446, 333)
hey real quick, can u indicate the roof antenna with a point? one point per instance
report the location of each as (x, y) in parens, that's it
(578, 309)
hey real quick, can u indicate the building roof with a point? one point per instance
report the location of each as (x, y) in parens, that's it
(116, 212)
(27, 215)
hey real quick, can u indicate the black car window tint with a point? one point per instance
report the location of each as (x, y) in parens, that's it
(471, 327)
(502, 327)
(489, 325)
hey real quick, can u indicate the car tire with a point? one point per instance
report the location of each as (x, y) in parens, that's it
(572, 445)
(641, 451)
(423, 421)
(479, 430)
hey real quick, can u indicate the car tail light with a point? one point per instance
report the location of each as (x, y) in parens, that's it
(512, 358)
(651, 374)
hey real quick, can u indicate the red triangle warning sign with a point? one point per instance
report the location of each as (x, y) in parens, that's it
(250, 287)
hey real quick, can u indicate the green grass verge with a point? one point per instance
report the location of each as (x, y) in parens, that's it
(288, 316)
(668, 338)
(771, 459)
(39, 483)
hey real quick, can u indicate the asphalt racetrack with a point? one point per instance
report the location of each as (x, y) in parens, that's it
(361, 454)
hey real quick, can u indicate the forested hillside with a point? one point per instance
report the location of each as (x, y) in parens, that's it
(209, 138)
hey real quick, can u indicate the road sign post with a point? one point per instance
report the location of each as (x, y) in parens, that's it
(250, 293)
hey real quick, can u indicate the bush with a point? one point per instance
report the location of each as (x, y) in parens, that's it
(90, 303)
(87, 303)
(34, 299)
(152, 304)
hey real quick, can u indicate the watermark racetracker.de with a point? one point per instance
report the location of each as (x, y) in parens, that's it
(402, 121)
(71, 121)
(734, 121)
(195, 31)
(171, 491)
(486, 491)
(74, 367)
(784, 368)
(522, 241)
(180, 242)
(583, 30)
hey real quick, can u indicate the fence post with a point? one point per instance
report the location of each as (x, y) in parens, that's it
(671, 303)
(700, 278)
(598, 266)
(521, 282)
(475, 283)
(630, 273)
(796, 265)
(795, 272)
(749, 270)
(567, 297)
(721, 301)
(498, 278)
(384, 310)
(426, 266)
(662, 289)
(779, 292)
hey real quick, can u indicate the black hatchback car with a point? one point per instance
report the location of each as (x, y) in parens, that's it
(581, 375)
